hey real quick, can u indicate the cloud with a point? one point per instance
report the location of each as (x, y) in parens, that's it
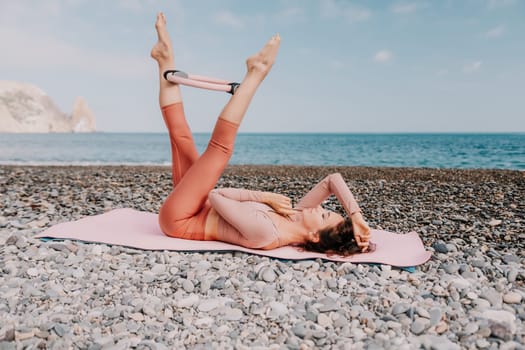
(228, 19)
(43, 51)
(494, 4)
(291, 13)
(442, 72)
(495, 32)
(351, 13)
(336, 65)
(383, 56)
(131, 5)
(404, 7)
(472, 67)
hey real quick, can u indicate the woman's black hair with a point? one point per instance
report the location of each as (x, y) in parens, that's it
(337, 240)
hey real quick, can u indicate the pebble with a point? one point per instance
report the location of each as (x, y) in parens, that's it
(451, 268)
(32, 272)
(512, 275)
(208, 305)
(205, 322)
(277, 309)
(512, 298)
(400, 308)
(300, 330)
(233, 314)
(511, 258)
(324, 320)
(501, 317)
(219, 283)
(71, 294)
(440, 248)
(188, 286)
(494, 222)
(96, 250)
(471, 328)
(157, 269)
(419, 325)
(188, 302)
(268, 275)
(494, 297)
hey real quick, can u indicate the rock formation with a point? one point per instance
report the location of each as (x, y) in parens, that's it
(24, 108)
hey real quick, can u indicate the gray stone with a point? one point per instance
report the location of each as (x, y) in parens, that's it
(512, 298)
(510, 258)
(502, 323)
(324, 320)
(208, 305)
(158, 269)
(451, 248)
(492, 296)
(32, 272)
(419, 325)
(6, 345)
(328, 304)
(435, 316)
(512, 275)
(9, 334)
(277, 309)
(11, 240)
(205, 322)
(451, 268)
(400, 308)
(233, 314)
(438, 343)
(219, 283)
(300, 330)
(268, 275)
(440, 248)
(331, 283)
(478, 263)
(96, 249)
(148, 277)
(189, 301)
(471, 328)
(59, 329)
(58, 246)
(188, 286)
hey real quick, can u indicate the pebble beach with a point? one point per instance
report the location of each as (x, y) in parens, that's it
(68, 294)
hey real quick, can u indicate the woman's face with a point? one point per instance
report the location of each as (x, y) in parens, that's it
(315, 219)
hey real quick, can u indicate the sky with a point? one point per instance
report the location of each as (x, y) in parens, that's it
(343, 66)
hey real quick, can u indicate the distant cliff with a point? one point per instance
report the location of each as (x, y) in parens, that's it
(24, 108)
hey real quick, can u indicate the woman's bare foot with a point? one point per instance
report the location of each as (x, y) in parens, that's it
(162, 52)
(261, 63)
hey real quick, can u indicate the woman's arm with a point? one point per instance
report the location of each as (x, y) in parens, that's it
(254, 230)
(281, 204)
(241, 195)
(332, 184)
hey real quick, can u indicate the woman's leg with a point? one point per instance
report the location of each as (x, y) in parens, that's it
(191, 192)
(183, 151)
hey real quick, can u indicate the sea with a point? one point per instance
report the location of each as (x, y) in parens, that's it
(454, 150)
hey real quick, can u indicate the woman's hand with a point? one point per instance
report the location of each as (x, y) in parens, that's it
(361, 232)
(281, 204)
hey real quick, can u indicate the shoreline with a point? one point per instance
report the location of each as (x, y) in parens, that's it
(468, 295)
(168, 164)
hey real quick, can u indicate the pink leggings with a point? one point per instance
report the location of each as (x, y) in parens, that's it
(184, 211)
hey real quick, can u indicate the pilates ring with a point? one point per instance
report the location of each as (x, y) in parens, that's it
(199, 81)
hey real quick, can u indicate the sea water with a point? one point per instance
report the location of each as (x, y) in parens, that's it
(495, 151)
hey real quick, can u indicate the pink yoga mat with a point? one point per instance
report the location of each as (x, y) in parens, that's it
(137, 229)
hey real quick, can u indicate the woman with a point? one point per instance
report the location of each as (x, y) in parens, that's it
(253, 219)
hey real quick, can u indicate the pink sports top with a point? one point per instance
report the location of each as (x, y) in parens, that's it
(244, 219)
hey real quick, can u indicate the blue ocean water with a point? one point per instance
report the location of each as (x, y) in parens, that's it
(497, 151)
